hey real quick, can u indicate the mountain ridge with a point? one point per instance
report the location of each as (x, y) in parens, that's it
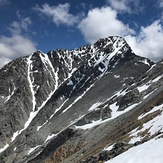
(55, 101)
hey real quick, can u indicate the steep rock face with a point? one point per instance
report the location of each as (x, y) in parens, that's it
(131, 97)
(53, 106)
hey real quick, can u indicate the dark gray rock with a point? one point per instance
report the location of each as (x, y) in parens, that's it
(131, 97)
(59, 88)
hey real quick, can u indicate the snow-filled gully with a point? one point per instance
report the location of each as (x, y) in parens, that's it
(30, 78)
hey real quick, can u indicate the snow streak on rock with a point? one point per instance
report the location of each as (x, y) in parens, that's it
(31, 80)
(53, 73)
(11, 92)
(84, 92)
(5, 147)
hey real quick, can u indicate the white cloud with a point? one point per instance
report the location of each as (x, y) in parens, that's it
(4, 61)
(148, 43)
(102, 22)
(60, 14)
(129, 6)
(25, 23)
(160, 3)
(19, 26)
(16, 45)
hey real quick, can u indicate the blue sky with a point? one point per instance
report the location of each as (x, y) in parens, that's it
(30, 25)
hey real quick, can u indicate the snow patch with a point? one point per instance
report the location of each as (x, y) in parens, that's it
(134, 135)
(69, 83)
(153, 126)
(145, 61)
(11, 93)
(147, 85)
(109, 148)
(51, 136)
(38, 127)
(157, 79)
(90, 125)
(151, 67)
(116, 76)
(143, 87)
(115, 113)
(149, 93)
(4, 148)
(94, 106)
(14, 136)
(32, 149)
(151, 111)
(149, 152)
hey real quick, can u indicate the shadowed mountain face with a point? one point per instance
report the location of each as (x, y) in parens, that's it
(69, 106)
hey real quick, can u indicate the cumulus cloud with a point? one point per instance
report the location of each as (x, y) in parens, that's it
(4, 61)
(16, 45)
(102, 22)
(129, 6)
(148, 43)
(60, 14)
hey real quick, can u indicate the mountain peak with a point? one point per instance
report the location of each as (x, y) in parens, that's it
(113, 40)
(69, 105)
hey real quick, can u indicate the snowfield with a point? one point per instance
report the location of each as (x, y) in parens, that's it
(149, 152)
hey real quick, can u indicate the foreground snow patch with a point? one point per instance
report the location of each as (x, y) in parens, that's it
(149, 152)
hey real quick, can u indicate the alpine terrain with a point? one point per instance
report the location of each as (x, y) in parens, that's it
(99, 103)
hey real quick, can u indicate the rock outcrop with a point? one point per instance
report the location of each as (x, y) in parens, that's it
(70, 105)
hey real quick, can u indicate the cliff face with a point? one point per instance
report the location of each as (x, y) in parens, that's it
(68, 106)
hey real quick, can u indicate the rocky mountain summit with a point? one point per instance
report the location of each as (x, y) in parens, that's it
(87, 105)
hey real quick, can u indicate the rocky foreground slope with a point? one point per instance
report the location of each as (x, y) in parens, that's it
(86, 105)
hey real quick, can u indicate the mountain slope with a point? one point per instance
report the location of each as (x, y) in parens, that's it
(68, 106)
